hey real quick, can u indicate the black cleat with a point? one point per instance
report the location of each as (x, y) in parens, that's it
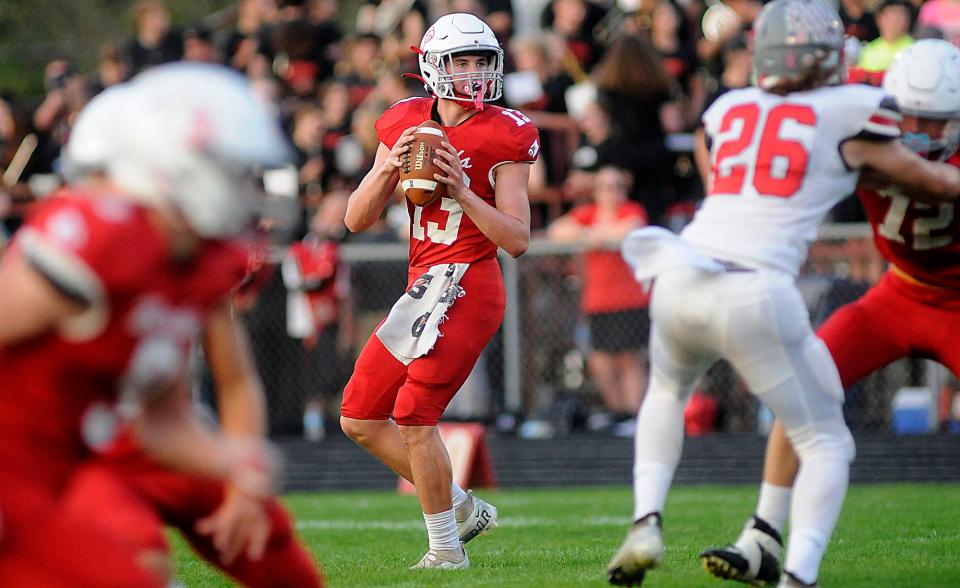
(754, 559)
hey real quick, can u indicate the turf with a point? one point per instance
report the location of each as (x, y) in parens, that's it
(888, 535)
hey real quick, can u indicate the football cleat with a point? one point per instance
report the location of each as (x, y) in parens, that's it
(790, 581)
(753, 559)
(478, 517)
(443, 559)
(641, 551)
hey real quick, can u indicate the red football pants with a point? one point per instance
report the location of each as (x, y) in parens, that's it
(418, 393)
(44, 545)
(135, 497)
(893, 320)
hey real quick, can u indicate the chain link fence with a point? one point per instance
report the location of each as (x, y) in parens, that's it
(538, 372)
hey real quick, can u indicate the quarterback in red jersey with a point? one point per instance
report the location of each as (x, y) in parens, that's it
(911, 312)
(406, 371)
(105, 291)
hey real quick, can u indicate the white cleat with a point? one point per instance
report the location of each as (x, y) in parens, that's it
(478, 517)
(641, 551)
(443, 559)
(788, 580)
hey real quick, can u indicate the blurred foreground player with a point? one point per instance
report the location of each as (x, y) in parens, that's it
(249, 537)
(912, 311)
(407, 372)
(104, 293)
(782, 155)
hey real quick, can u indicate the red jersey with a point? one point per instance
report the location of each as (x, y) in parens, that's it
(318, 263)
(608, 284)
(59, 391)
(440, 232)
(921, 239)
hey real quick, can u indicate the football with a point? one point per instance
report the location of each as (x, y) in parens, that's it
(416, 173)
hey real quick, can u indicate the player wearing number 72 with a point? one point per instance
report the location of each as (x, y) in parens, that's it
(407, 374)
(782, 154)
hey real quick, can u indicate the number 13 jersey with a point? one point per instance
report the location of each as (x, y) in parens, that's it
(777, 170)
(440, 232)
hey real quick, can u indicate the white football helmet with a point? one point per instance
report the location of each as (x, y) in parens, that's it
(461, 33)
(94, 135)
(925, 81)
(198, 136)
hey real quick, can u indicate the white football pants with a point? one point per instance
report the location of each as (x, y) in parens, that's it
(758, 322)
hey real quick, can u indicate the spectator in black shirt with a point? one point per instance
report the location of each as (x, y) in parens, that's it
(634, 89)
(858, 21)
(155, 42)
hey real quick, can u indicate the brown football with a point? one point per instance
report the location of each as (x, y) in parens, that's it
(416, 173)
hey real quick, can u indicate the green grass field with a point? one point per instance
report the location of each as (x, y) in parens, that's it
(889, 535)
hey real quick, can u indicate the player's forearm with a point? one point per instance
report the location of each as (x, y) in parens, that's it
(240, 397)
(181, 442)
(243, 410)
(169, 431)
(367, 202)
(508, 232)
(922, 180)
(930, 182)
(946, 184)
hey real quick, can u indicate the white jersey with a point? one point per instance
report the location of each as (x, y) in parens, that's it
(776, 169)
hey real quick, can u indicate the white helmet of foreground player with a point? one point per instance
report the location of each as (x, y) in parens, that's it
(925, 81)
(94, 135)
(197, 138)
(458, 34)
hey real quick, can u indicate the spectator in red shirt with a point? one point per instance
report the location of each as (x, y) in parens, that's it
(614, 303)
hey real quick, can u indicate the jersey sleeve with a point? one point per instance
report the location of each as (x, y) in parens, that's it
(525, 141)
(402, 115)
(81, 249)
(871, 115)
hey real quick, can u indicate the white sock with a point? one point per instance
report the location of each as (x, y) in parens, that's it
(658, 442)
(442, 530)
(458, 494)
(774, 505)
(817, 499)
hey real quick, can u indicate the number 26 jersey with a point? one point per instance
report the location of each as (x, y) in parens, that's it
(777, 170)
(440, 232)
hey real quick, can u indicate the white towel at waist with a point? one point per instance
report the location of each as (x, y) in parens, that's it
(651, 251)
(413, 325)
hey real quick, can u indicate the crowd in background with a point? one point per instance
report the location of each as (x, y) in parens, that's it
(616, 85)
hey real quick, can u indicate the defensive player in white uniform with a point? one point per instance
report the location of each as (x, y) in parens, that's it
(782, 154)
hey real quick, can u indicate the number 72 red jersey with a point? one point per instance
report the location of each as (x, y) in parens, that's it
(921, 239)
(440, 232)
(777, 170)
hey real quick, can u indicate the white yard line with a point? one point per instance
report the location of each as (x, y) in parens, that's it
(517, 522)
